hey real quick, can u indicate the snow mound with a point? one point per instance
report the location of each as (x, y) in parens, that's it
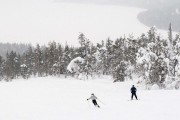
(73, 65)
(155, 87)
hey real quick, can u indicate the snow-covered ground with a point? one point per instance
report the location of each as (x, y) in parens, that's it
(41, 21)
(53, 98)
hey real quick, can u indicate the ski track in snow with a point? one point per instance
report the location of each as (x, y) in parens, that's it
(52, 98)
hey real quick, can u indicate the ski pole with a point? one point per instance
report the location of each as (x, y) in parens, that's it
(101, 102)
(89, 104)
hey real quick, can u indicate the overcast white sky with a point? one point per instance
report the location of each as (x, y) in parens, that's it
(40, 21)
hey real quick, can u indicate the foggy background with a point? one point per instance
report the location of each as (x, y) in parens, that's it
(41, 21)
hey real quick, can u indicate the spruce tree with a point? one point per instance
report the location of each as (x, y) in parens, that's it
(38, 57)
(1, 67)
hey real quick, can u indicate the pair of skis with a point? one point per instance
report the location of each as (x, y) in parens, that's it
(96, 105)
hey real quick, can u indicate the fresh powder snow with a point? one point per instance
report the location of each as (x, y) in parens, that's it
(57, 98)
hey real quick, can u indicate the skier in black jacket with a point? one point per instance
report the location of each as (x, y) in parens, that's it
(133, 91)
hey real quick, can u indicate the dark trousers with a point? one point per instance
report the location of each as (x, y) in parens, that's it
(133, 94)
(95, 103)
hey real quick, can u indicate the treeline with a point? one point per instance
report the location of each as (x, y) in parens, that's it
(54, 58)
(8, 47)
(149, 56)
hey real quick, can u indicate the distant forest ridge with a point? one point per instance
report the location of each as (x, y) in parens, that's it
(8, 47)
(147, 4)
(160, 13)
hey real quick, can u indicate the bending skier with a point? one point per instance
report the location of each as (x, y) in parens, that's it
(93, 98)
(133, 92)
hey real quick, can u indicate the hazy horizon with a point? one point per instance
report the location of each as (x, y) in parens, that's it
(42, 21)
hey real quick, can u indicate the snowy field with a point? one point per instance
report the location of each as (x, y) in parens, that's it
(53, 98)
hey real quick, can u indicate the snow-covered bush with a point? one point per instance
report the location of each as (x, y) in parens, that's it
(177, 85)
(74, 66)
(173, 84)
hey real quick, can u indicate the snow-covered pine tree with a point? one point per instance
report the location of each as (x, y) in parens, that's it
(108, 66)
(158, 72)
(1, 67)
(83, 41)
(24, 71)
(152, 59)
(119, 72)
(170, 37)
(142, 41)
(51, 57)
(38, 60)
(100, 56)
(131, 50)
(66, 58)
(152, 34)
(29, 60)
(17, 65)
(171, 53)
(119, 65)
(59, 61)
(177, 56)
(11, 65)
(85, 51)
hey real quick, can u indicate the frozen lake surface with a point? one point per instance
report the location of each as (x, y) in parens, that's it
(44, 21)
